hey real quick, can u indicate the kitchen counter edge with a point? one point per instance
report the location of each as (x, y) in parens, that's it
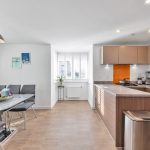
(122, 91)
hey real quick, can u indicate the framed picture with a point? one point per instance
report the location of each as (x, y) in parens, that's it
(16, 63)
(25, 58)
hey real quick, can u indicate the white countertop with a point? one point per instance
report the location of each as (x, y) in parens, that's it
(123, 91)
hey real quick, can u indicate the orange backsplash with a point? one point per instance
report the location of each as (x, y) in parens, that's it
(120, 72)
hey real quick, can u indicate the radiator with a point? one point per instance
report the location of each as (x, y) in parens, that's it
(73, 92)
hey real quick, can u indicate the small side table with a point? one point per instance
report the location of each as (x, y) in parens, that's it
(61, 92)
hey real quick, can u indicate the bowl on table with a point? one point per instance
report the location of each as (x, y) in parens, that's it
(4, 98)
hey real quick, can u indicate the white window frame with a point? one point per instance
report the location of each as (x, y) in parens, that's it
(72, 69)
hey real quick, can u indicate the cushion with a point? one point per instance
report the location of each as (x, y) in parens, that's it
(2, 87)
(14, 89)
(28, 89)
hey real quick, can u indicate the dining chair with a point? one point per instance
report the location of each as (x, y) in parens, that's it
(2, 87)
(24, 106)
(14, 89)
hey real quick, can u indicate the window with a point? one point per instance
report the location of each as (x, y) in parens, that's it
(72, 66)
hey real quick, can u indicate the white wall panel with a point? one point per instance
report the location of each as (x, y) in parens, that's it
(38, 72)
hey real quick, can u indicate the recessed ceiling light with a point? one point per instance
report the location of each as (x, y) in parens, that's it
(147, 2)
(118, 31)
(149, 31)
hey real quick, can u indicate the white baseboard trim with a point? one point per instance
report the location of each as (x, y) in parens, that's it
(93, 108)
(54, 104)
(41, 107)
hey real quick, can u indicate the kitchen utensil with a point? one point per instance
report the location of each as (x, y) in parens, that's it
(139, 80)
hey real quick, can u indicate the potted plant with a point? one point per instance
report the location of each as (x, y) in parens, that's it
(60, 80)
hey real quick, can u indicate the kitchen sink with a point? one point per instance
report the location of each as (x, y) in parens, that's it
(144, 89)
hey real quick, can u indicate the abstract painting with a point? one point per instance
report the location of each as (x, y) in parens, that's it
(25, 58)
(16, 63)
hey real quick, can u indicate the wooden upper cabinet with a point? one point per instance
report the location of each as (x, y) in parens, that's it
(142, 55)
(125, 55)
(128, 55)
(148, 55)
(109, 55)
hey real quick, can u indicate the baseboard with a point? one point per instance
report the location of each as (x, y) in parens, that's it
(74, 100)
(54, 104)
(93, 108)
(41, 107)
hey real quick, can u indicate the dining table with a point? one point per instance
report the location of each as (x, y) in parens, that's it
(5, 106)
(12, 102)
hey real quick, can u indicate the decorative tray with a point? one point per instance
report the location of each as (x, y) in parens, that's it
(5, 98)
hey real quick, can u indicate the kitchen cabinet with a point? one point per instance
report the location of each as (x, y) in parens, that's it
(112, 101)
(125, 55)
(148, 54)
(98, 97)
(128, 55)
(105, 106)
(109, 54)
(142, 55)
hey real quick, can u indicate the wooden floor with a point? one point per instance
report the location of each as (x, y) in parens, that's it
(71, 125)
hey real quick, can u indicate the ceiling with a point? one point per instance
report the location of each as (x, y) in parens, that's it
(136, 38)
(74, 24)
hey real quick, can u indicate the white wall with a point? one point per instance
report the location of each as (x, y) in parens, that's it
(38, 72)
(54, 96)
(105, 73)
(100, 72)
(90, 83)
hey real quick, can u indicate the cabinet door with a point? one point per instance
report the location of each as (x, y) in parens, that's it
(110, 55)
(97, 98)
(128, 55)
(148, 54)
(142, 55)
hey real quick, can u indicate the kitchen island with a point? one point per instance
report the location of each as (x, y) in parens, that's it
(112, 100)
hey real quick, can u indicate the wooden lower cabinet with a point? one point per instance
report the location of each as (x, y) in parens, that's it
(106, 109)
(111, 110)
